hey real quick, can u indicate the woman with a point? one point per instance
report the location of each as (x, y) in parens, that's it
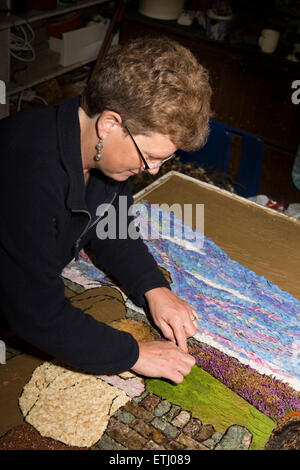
(59, 163)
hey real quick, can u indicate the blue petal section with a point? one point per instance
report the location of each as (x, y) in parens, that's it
(236, 307)
(90, 271)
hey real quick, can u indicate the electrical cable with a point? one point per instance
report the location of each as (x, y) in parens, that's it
(20, 101)
(28, 95)
(21, 43)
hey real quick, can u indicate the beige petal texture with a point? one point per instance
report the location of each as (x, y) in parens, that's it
(71, 407)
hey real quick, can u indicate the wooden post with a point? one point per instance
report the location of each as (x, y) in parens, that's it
(109, 34)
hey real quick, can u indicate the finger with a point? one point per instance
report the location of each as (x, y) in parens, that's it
(194, 318)
(190, 330)
(180, 336)
(185, 365)
(176, 377)
(193, 314)
(177, 373)
(191, 323)
(167, 332)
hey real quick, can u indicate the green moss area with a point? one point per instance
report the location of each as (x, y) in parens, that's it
(213, 403)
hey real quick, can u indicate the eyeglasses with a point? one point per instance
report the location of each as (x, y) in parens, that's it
(147, 166)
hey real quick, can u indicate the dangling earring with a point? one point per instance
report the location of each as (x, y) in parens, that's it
(99, 147)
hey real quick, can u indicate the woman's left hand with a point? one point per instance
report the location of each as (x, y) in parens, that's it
(176, 319)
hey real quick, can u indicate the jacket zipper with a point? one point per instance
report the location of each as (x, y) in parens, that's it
(88, 227)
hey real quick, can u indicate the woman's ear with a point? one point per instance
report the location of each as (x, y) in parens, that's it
(107, 122)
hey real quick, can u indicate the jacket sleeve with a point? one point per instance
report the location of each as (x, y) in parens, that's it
(128, 260)
(33, 301)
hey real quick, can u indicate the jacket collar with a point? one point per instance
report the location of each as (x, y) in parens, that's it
(68, 131)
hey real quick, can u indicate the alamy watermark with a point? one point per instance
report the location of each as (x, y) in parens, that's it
(296, 94)
(151, 221)
(2, 92)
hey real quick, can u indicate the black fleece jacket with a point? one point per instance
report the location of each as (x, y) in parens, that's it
(45, 209)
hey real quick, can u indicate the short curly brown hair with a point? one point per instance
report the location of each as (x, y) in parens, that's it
(155, 85)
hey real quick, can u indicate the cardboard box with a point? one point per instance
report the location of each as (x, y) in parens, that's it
(80, 45)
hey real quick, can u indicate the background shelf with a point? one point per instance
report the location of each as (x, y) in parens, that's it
(9, 21)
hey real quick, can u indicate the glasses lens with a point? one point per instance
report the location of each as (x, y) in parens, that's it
(158, 164)
(152, 166)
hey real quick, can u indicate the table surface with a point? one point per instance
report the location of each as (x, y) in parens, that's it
(260, 239)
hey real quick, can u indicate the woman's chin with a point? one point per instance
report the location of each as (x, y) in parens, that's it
(120, 176)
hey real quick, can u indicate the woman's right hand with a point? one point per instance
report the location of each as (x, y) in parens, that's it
(163, 359)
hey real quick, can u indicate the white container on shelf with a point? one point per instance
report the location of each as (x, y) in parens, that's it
(80, 45)
(216, 25)
(268, 40)
(161, 9)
